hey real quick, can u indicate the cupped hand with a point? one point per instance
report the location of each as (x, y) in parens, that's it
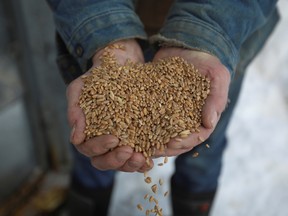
(103, 150)
(219, 77)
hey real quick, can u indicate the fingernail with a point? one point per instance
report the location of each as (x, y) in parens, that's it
(213, 120)
(133, 164)
(123, 156)
(72, 133)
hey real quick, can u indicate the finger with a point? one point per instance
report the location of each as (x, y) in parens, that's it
(75, 114)
(112, 160)
(146, 167)
(171, 152)
(136, 162)
(98, 145)
(217, 99)
(173, 148)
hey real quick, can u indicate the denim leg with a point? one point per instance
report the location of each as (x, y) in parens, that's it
(90, 189)
(200, 174)
(85, 175)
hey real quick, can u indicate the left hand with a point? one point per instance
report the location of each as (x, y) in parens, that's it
(98, 149)
(219, 76)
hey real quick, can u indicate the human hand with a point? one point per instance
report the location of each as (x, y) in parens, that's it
(98, 149)
(219, 77)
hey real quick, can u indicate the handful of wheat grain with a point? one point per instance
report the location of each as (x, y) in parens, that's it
(144, 105)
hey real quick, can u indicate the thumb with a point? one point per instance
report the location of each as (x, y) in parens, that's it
(214, 106)
(75, 114)
(216, 101)
(210, 117)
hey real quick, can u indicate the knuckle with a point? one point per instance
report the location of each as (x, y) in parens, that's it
(99, 164)
(95, 150)
(82, 149)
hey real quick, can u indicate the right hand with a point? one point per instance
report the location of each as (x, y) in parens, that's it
(219, 76)
(98, 148)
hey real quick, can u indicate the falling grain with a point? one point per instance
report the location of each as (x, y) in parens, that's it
(195, 154)
(148, 180)
(140, 207)
(154, 188)
(146, 196)
(165, 160)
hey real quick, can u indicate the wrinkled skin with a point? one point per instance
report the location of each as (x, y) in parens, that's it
(123, 158)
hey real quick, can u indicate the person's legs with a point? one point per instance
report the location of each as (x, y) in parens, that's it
(90, 189)
(195, 180)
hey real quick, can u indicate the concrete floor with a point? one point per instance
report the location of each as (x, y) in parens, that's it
(254, 180)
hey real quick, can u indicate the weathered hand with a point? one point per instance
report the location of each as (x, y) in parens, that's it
(219, 76)
(98, 149)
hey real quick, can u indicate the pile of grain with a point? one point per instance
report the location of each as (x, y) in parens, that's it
(144, 105)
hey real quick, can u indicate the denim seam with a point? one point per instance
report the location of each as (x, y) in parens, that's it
(209, 27)
(92, 18)
(76, 34)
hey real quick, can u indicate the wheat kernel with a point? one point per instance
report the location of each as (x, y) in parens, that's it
(161, 181)
(165, 159)
(201, 139)
(140, 207)
(148, 180)
(154, 188)
(195, 154)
